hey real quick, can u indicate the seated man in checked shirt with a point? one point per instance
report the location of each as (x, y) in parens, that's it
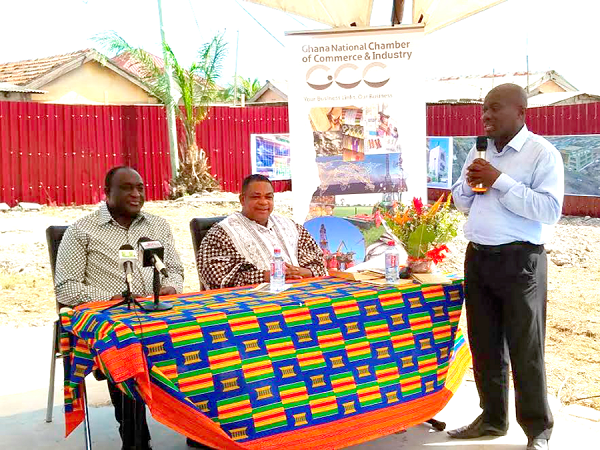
(87, 267)
(238, 250)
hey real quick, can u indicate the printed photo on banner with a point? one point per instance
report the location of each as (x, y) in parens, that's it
(341, 241)
(439, 162)
(271, 155)
(359, 158)
(376, 173)
(353, 132)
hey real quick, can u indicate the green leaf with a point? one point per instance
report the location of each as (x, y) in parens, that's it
(419, 240)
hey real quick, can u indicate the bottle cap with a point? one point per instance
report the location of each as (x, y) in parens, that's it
(391, 243)
(277, 251)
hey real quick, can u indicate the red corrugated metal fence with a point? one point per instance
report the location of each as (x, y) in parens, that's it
(465, 120)
(225, 136)
(59, 154)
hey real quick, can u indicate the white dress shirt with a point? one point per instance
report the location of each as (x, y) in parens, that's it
(526, 199)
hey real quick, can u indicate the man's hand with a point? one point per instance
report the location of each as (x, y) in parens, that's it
(296, 273)
(267, 276)
(482, 172)
(167, 290)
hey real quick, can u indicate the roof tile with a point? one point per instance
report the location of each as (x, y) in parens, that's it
(22, 73)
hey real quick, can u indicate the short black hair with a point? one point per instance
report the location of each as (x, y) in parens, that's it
(251, 179)
(111, 174)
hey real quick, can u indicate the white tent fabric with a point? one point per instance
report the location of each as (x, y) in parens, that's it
(337, 13)
(435, 14)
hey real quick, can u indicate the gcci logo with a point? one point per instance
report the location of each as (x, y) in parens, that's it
(319, 77)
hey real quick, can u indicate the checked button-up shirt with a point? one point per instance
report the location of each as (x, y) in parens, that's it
(87, 267)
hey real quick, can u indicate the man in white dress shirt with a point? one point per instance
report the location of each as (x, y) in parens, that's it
(505, 265)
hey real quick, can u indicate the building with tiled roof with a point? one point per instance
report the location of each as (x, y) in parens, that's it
(81, 77)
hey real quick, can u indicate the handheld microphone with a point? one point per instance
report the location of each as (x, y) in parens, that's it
(151, 253)
(127, 258)
(481, 146)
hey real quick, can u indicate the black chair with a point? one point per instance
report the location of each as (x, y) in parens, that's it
(54, 235)
(199, 226)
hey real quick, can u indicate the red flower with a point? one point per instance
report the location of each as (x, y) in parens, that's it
(418, 204)
(438, 254)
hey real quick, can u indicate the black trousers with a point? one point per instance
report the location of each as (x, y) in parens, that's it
(131, 416)
(505, 297)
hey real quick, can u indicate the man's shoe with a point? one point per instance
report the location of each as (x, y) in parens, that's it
(476, 429)
(194, 444)
(538, 444)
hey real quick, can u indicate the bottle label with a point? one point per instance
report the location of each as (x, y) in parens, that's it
(277, 269)
(391, 260)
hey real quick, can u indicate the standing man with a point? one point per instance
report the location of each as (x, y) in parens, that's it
(505, 265)
(87, 267)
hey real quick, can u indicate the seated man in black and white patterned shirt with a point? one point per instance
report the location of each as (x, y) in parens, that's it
(87, 266)
(238, 250)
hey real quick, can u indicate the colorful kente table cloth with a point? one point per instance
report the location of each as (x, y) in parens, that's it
(326, 364)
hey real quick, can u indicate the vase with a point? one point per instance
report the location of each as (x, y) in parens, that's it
(420, 265)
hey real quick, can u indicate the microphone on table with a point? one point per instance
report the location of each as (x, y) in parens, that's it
(151, 253)
(127, 258)
(481, 146)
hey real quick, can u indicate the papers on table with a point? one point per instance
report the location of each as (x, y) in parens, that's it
(376, 275)
(432, 278)
(266, 288)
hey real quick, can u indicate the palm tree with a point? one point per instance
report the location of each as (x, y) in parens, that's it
(246, 86)
(197, 90)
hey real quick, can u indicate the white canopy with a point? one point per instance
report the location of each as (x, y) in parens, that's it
(435, 14)
(337, 13)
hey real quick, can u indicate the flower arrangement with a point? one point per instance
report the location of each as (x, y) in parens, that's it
(424, 230)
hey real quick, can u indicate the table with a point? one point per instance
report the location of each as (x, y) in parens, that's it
(326, 364)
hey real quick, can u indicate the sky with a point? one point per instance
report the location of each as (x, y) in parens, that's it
(556, 34)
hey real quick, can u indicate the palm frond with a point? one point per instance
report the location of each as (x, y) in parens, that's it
(111, 43)
(149, 72)
(196, 84)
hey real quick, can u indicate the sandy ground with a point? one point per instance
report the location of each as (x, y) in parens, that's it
(573, 326)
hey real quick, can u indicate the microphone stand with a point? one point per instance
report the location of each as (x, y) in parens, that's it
(157, 305)
(129, 428)
(128, 299)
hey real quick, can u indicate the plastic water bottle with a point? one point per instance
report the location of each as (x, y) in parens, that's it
(277, 272)
(391, 263)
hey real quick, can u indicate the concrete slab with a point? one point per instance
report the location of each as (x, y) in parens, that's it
(22, 413)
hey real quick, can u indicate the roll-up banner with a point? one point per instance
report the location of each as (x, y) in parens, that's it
(357, 118)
